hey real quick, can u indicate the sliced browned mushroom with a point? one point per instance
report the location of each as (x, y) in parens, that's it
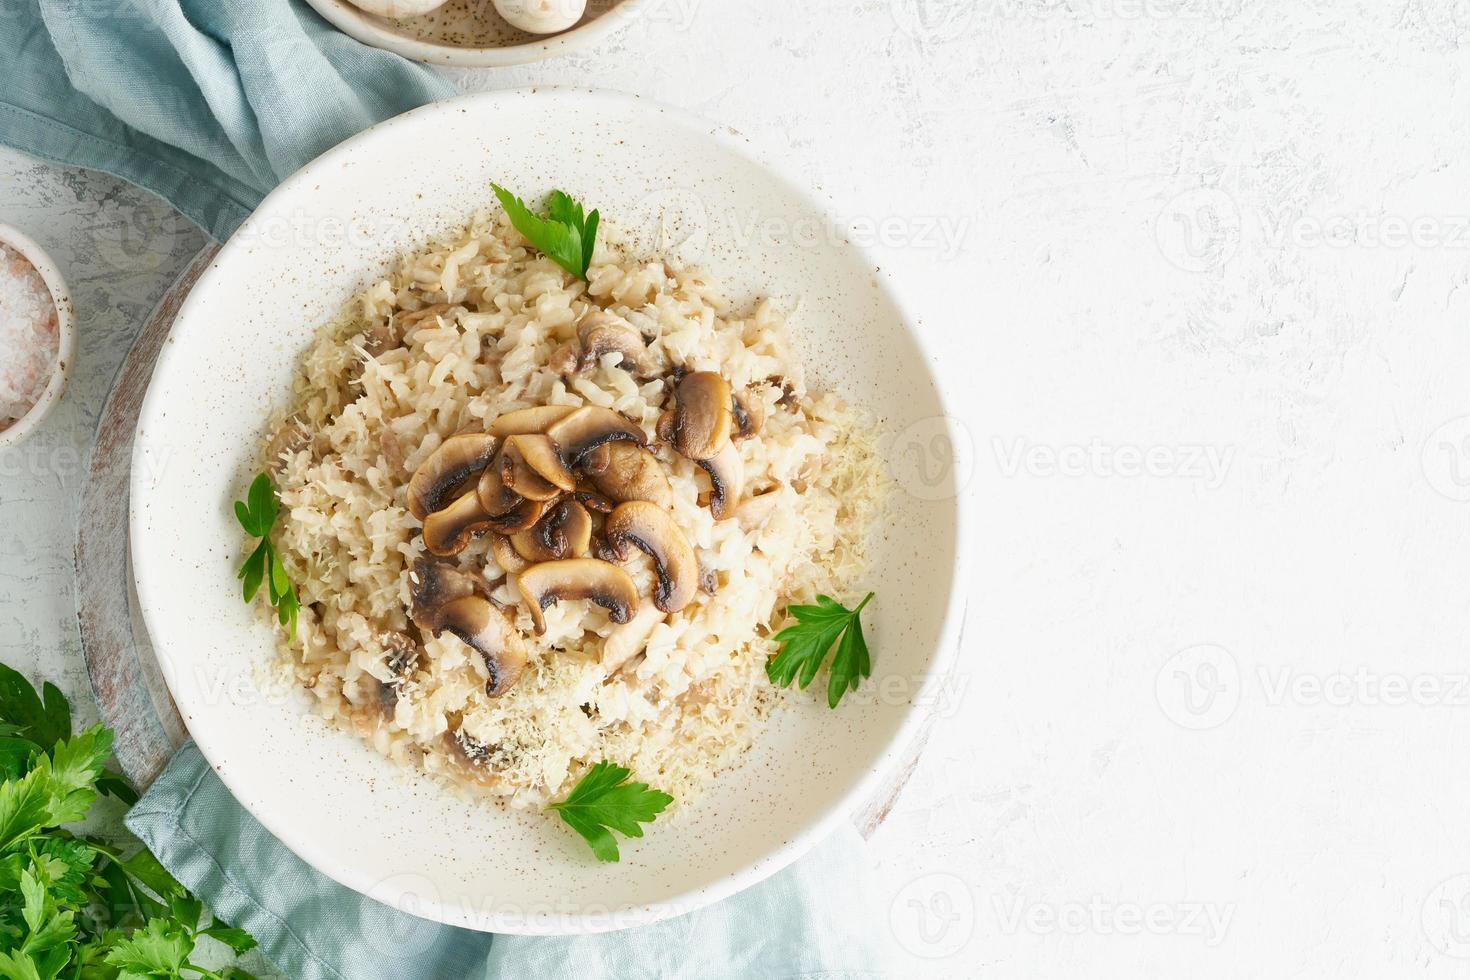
(490, 632)
(727, 481)
(594, 501)
(495, 497)
(519, 517)
(589, 427)
(578, 578)
(448, 531)
(403, 320)
(701, 421)
(532, 467)
(649, 528)
(400, 656)
(289, 440)
(506, 555)
(529, 421)
(446, 469)
(432, 584)
(755, 513)
(565, 532)
(626, 472)
(601, 333)
(630, 639)
(749, 415)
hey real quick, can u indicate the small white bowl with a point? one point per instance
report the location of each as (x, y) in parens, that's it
(66, 337)
(422, 39)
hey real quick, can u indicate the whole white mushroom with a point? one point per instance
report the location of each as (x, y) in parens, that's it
(542, 16)
(398, 8)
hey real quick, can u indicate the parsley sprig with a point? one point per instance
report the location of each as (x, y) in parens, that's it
(566, 235)
(74, 906)
(257, 514)
(804, 646)
(604, 798)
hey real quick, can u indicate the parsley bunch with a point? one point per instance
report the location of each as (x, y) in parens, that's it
(804, 645)
(77, 907)
(566, 235)
(257, 515)
(603, 801)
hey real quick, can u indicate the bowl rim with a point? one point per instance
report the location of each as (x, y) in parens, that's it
(364, 27)
(66, 336)
(300, 840)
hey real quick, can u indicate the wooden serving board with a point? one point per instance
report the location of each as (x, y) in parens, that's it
(125, 677)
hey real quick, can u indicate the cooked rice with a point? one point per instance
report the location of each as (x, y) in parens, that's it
(362, 423)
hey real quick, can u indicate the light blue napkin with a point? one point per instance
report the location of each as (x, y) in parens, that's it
(210, 104)
(207, 103)
(813, 921)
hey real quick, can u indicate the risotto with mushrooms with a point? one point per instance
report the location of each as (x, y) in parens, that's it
(535, 521)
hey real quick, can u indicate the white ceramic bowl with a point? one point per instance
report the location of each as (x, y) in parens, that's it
(350, 813)
(470, 34)
(66, 335)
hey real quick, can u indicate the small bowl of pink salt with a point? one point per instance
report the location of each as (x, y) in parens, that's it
(37, 336)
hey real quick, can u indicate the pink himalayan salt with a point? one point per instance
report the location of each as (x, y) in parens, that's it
(29, 338)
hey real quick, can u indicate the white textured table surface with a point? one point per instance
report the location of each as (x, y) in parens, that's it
(1201, 273)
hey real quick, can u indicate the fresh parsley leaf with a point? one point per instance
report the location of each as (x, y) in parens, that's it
(144, 867)
(238, 940)
(19, 966)
(604, 800)
(43, 722)
(15, 756)
(72, 769)
(25, 808)
(67, 903)
(566, 235)
(118, 786)
(804, 645)
(160, 948)
(257, 515)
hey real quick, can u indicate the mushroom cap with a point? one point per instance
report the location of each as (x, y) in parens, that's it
(748, 415)
(727, 480)
(702, 420)
(601, 333)
(518, 518)
(490, 632)
(529, 421)
(564, 532)
(398, 8)
(589, 427)
(448, 531)
(541, 16)
(532, 467)
(755, 513)
(495, 497)
(432, 584)
(649, 528)
(506, 555)
(446, 469)
(624, 472)
(578, 578)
